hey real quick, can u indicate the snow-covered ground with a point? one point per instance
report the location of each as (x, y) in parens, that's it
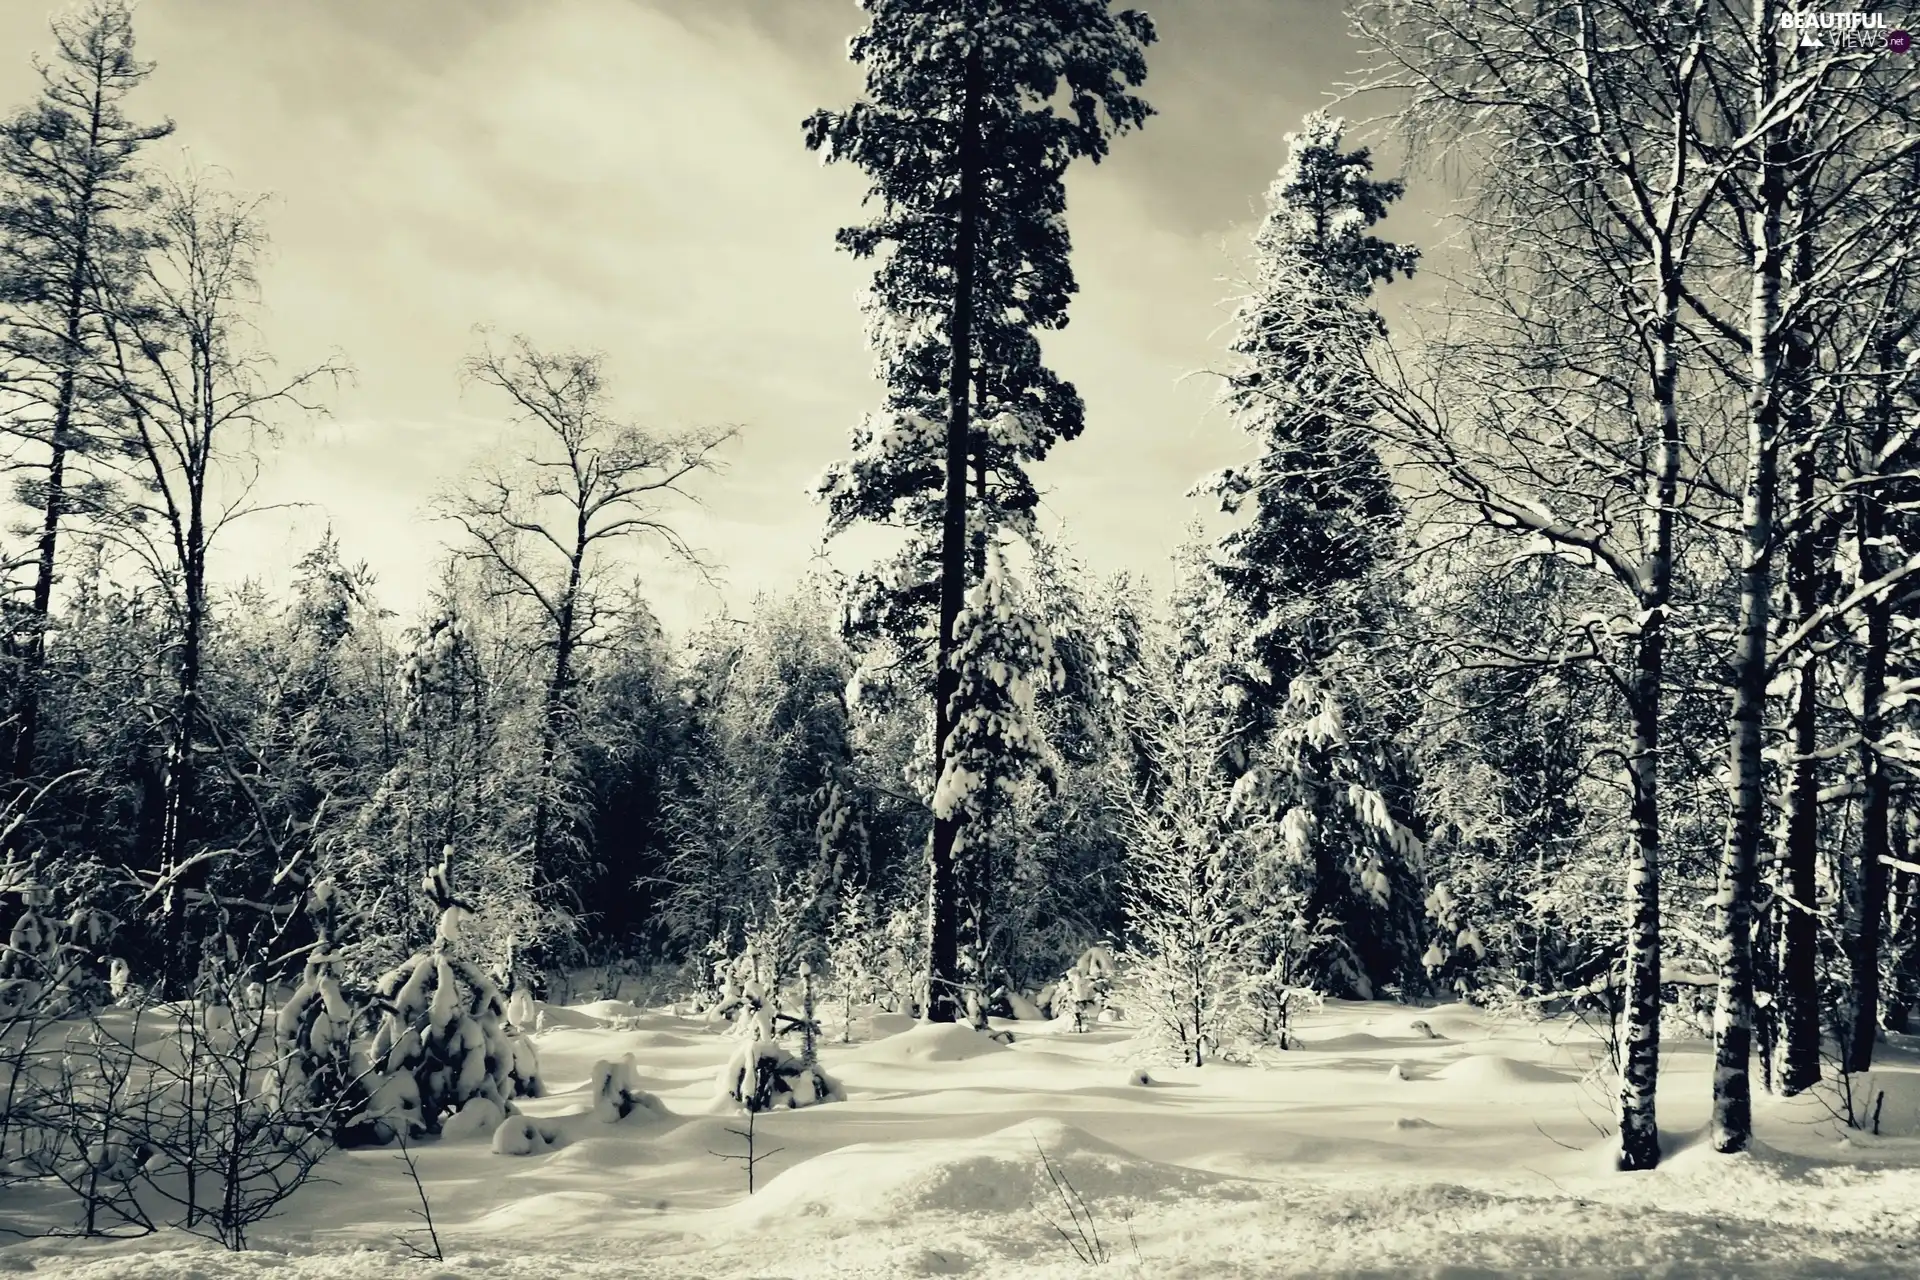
(1397, 1142)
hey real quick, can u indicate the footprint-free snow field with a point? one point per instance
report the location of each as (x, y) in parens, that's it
(1393, 1142)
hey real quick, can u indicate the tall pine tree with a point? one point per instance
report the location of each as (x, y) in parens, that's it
(71, 200)
(1303, 574)
(973, 111)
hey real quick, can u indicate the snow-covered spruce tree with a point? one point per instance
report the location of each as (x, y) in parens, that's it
(761, 1073)
(1322, 517)
(443, 1040)
(973, 112)
(1307, 575)
(1056, 875)
(316, 1029)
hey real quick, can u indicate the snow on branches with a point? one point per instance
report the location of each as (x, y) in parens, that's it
(1002, 655)
(444, 1038)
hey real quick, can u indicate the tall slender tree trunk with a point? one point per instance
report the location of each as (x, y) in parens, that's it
(1799, 987)
(1876, 844)
(1640, 1006)
(176, 821)
(943, 978)
(1731, 1124)
(1809, 558)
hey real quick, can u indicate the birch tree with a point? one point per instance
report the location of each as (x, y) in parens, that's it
(1582, 115)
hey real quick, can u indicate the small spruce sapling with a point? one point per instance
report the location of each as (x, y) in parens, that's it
(761, 1074)
(443, 1037)
(316, 1029)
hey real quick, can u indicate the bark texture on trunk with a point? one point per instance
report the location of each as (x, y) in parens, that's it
(944, 991)
(1731, 1123)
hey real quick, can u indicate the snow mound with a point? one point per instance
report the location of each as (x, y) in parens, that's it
(609, 1010)
(1493, 1069)
(891, 1024)
(1351, 1042)
(477, 1118)
(997, 1173)
(932, 1042)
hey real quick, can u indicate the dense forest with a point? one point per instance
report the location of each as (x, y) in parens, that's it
(1559, 646)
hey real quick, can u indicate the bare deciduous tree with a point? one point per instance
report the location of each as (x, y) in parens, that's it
(547, 526)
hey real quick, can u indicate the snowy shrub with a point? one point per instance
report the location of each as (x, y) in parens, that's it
(617, 1092)
(762, 1075)
(443, 1036)
(855, 954)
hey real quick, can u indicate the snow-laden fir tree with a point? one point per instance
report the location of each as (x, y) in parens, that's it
(972, 114)
(317, 1026)
(443, 1038)
(761, 1073)
(1303, 582)
(1321, 515)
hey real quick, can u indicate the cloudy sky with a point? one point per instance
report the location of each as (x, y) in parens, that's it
(628, 175)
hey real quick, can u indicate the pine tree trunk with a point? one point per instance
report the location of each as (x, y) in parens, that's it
(943, 985)
(1732, 1116)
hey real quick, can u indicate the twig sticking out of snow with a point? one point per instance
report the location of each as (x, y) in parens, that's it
(753, 1156)
(424, 1213)
(1085, 1240)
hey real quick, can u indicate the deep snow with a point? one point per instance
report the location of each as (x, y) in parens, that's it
(1396, 1142)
